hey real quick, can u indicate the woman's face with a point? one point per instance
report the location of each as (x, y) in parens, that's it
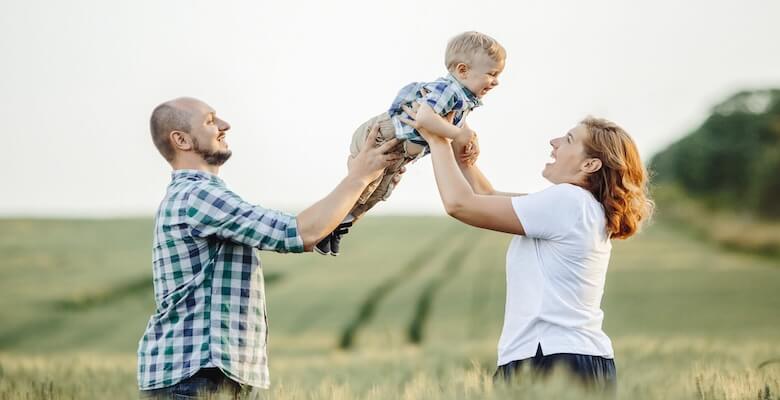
(568, 157)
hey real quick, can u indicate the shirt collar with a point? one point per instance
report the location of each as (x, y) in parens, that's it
(470, 97)
(195, 175)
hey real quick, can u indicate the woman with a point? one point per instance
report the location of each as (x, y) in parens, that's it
(557, 260)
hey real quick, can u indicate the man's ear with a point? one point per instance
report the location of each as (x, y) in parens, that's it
(181, 140)
(591, 165)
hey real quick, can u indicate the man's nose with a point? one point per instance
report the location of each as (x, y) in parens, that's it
(223, 125)
(495, 81)
(554, 142)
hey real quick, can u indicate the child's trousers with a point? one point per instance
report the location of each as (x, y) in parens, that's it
(380, 189)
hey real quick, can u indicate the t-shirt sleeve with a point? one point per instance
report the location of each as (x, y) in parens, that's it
(549, 214)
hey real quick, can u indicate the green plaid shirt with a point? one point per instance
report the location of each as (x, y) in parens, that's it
(208, 283)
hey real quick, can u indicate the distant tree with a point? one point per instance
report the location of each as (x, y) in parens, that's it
(733, 159)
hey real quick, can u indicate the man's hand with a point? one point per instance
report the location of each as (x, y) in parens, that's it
(320, 219)
(397, 178)
(372, 160)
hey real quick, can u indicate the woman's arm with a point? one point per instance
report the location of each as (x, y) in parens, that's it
(483, 211)
(476, 179)
(479, 182)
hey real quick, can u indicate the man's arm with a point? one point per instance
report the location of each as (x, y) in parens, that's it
(213, 210)
(323, 217)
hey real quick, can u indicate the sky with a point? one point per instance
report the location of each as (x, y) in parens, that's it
(78, 80)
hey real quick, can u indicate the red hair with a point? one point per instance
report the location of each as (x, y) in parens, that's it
(621, 185)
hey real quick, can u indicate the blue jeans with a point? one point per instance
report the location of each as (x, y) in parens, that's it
(594, 372)
(206, 382)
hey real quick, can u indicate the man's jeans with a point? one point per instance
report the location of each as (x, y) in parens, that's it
(207, 383)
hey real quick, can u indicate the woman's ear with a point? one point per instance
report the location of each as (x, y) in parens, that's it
(181, 140)
(591, 165)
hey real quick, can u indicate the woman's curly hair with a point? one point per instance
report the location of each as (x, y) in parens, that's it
(621, 185)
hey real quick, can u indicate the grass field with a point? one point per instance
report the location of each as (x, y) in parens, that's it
(412, 309)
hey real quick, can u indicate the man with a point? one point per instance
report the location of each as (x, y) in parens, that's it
(208, 333)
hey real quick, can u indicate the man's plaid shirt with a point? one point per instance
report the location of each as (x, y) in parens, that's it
(445, 94)
(208, 283)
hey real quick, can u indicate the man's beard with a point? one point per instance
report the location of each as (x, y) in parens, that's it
(211, 157)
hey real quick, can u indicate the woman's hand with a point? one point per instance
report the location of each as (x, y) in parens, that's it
(469, 157)
(464, 145)
(427, 135)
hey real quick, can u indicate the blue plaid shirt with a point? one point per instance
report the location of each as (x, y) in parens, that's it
(445, 94)
(208, 283)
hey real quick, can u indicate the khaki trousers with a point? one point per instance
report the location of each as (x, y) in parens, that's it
(381, 188)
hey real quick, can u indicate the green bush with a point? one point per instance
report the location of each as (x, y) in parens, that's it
(732, 160)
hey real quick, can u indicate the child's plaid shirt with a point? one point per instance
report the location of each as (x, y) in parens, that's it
(445, 94)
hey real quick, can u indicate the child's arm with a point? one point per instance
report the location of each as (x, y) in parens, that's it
(432, 122)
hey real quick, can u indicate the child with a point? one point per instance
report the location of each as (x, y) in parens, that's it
(474, 61)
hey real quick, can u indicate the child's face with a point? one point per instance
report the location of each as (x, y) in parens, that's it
(481, 76)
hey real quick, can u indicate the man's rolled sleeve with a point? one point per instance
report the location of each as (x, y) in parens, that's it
(216, 211)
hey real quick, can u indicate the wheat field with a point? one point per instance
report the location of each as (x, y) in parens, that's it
(412, 309)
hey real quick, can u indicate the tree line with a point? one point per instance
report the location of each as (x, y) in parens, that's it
(731, 161)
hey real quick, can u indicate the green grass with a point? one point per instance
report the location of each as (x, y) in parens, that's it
(736, 230)
(421, 299)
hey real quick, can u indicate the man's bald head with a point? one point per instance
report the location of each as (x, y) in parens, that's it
(173, 115)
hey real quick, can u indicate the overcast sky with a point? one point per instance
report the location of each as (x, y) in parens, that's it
(78, 80)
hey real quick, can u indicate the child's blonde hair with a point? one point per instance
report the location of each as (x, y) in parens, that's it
(464, 47)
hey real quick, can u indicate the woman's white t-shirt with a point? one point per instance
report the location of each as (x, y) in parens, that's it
(555, 276)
